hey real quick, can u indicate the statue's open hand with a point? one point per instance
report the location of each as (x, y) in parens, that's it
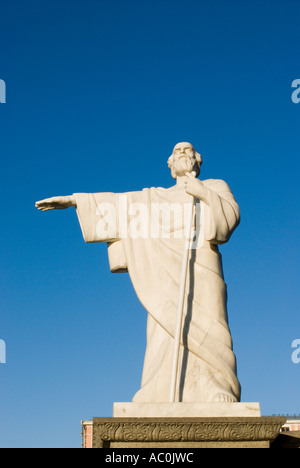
(56, 203)
(196, 188)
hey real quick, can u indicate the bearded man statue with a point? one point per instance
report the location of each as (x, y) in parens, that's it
(145, 234)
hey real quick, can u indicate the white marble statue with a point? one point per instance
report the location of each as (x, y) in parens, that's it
(151, 251)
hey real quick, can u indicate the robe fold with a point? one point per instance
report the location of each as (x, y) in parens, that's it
(152, 254)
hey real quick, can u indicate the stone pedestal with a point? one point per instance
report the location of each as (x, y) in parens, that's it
(230, 432)
(186, 410)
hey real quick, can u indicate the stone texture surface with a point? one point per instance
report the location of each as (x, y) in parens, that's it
(186, 432)
(185, 410)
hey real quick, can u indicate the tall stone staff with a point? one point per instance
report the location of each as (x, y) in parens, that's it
(184, 270)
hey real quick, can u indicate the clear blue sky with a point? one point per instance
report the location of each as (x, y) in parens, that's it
(98, 93)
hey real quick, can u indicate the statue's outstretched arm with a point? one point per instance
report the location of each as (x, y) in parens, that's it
(56, 203)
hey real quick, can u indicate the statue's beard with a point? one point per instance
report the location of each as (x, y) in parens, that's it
(183, 165)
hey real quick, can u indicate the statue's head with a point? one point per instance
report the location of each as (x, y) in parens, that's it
(184, 159)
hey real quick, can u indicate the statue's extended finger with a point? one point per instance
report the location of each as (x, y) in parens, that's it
(41, 203)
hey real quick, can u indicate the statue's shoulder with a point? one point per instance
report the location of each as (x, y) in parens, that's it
(158, 189)
(217, 185)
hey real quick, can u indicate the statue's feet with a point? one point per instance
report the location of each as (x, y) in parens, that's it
(224, 398)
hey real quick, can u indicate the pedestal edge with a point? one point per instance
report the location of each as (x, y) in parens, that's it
(186, 410)
(172, 430)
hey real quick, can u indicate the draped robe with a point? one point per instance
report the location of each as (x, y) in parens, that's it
(207, 364)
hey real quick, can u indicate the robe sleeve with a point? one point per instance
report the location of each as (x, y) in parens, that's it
(97, 215)
(222, 212)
